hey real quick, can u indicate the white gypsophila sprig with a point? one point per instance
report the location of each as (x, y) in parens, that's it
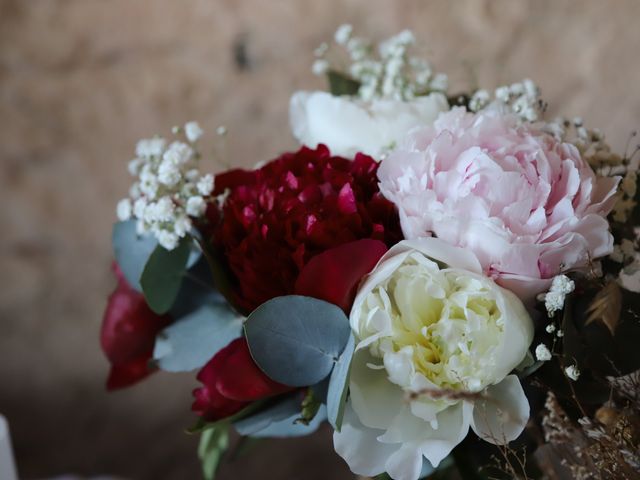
(543, 354)
(561, 286)
(169, 191)
(388, 71)
(522, 98)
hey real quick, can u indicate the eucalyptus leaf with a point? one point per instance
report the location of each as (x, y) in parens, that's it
(132, 251)
(213, 444)
(201, 424)
(290, 427)
(163, 274)
(339, 385)
(276, 412)
(280, 421)
(341, 84)
(192, 341)
(296, 340)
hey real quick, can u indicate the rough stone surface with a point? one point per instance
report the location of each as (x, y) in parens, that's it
(82, 80)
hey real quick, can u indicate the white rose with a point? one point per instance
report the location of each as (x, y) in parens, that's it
(348, 125)
(437, 341)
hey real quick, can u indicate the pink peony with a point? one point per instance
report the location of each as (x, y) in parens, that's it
(528, 206)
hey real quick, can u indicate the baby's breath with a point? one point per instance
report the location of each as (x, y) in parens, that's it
(169, 190)
(388, 71)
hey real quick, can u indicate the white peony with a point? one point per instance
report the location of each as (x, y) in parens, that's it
(348, 125)
(437, 342)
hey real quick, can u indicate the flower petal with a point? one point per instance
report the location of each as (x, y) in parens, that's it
(502, 416)
(358, 445)
(375, 399)
(334, 275)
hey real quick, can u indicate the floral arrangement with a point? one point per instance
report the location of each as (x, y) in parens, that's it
(450, 281)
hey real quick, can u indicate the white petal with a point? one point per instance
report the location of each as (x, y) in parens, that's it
(440, 251)
(359, 447)
(406, 463)
(502, 416)
(375, 399)
(453, 426)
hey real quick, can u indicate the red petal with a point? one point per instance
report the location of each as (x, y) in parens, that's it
(334, 275)
(233, 178)
(129, 326)
(211, 405)
(347, 200)
(125, 375)
(231, 380)
(241, 379)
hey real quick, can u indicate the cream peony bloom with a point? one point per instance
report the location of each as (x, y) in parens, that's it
(437, 342)
(349, 125)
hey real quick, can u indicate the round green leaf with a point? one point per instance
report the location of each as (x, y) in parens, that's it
(163, 275)
(132, 251)
(193, 340)
(296, 340)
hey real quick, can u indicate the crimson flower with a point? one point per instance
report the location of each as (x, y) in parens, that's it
(275, 220)
(231, 381)
(129, 329)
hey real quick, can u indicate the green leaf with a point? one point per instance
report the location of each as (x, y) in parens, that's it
(213, 444)
(339, 385)
(163, 275)
(193, 340)
(296, 340)
(341, 84)
(279, 420)
(223, 279)
(131, 251)
(201, 425)
(310, 406)
(274, 412)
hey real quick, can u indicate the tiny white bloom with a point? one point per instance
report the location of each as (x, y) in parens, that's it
(196, 206)
(572, 372)
(169, 173)
(205, 185)
(550, 328)
(343, 34)
(320, 67)
(124, 209)
(221, 130)
(542, 353)
(193, 131)
(134, 166)
(160, 211)
(559, 334)
(139, 207)
(561, 286)
(150, 147)
(182, 225)
(169, 240)
(178, 153)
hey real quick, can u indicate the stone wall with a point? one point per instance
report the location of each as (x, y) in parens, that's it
(82, 80)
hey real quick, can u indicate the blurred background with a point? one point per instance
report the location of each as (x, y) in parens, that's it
(82, 80)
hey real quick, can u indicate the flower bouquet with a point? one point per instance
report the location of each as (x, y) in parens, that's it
(450, 281)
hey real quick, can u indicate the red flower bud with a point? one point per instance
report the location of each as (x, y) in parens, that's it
(129, 329)
(231, 380)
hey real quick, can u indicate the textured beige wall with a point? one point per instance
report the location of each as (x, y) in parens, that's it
(81, 80)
